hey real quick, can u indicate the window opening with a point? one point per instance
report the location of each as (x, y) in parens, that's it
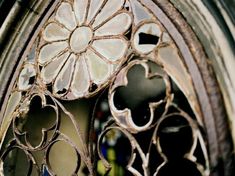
(104, 90)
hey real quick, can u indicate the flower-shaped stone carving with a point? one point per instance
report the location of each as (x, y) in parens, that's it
(140, 92)
(84, 46)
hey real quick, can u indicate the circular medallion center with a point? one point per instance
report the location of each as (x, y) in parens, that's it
(80, 39)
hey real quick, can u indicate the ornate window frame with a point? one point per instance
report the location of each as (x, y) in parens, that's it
(204, 76)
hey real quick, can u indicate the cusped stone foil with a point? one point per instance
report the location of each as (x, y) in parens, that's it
(147, 37)
(84, 44)
(123, 115)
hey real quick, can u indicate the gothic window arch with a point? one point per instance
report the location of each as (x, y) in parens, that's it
(110, 87)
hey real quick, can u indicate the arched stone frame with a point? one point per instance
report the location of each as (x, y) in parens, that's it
(195, 60)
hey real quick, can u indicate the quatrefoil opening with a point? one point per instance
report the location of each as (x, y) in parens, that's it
(35, 128)
(140, 94)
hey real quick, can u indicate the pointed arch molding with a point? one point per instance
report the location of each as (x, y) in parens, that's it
(24, 23)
